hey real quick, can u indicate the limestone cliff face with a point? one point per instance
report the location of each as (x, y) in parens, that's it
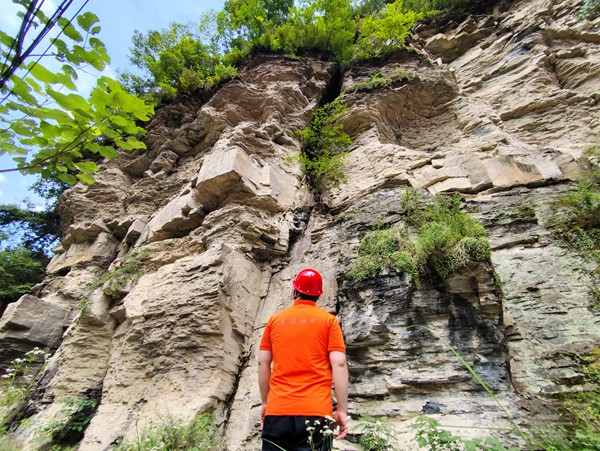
(215, 225)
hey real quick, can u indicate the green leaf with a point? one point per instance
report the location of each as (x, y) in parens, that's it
(48, 130)
(69, 29)
(131, 144)
(67, 178)
(51, 113)
(86, 20)
(61, 46)
(21, 89)
(86, 178)
(69, 101)
(41, 73)
(87, 166)
(95, 29)
(6, 39)
(69, 71)
(106, 151)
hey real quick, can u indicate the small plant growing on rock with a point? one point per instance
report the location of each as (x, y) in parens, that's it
(577, 221)
(18, 380)
(376, 81)
(130, 269)
(375, 434)
(582, 411)
(173, 434)
(437, 234)
(589, 9)
(431, 436)
(68, 428)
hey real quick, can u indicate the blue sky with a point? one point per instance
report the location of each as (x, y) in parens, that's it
(119, 19)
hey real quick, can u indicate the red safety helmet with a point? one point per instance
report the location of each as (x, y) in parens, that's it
(308, 281)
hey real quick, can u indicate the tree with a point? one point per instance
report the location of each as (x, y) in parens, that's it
(176, 60)
(20, 270)
(245, 21)
(45, 125)
(385, 31)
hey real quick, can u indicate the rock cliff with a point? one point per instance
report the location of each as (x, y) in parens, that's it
(175, 258)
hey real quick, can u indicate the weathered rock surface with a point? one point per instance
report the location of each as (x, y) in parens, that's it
(497, 109)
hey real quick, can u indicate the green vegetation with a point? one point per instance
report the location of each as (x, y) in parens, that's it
(376, 81)
(72, 421)
(27, 235)
(175, 60)
(186, 57)
(375, 434)
(325, 148)
(130, 269)
(431, 436)
(45, 125)
(20, 270)
(18, 380)
(174, 434)
(577, 219)
(590, 8)
(581, 410)
(437, 234)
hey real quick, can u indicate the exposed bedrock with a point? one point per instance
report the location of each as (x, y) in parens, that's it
(174, 259)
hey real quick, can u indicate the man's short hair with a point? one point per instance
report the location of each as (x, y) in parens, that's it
(306, 297)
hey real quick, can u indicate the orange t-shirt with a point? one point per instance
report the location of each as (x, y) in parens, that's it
(300, 339)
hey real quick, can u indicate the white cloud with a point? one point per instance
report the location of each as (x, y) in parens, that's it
(2, 178)
(38, 208)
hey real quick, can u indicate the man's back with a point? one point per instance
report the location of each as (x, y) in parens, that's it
(301, 352)
(300, 339)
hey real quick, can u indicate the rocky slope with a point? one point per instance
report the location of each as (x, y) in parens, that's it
(175, 258)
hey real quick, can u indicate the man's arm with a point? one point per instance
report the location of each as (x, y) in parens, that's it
(264, 376)
(339, 370)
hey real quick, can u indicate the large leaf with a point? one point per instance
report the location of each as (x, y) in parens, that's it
(67, 178)
(21, 89)
(69, 29)
(87, 167)
(69, 101)
(86, 178)
(87, 20)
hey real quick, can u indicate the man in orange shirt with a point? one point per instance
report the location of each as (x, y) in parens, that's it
(306, 347)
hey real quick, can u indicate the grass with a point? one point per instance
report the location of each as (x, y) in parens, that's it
(175, 434)
(130, 269)
(376, 81)
(436, 234)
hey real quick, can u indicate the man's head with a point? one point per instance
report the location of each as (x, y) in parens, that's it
(308, 284)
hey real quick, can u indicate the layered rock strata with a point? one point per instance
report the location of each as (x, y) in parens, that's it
(216, 224)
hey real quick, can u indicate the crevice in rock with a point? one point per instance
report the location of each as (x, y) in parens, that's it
(245, 358)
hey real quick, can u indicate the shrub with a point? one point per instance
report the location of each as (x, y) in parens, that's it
(325, 147)
(376, 81)
(130, 269)
(438, 234)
